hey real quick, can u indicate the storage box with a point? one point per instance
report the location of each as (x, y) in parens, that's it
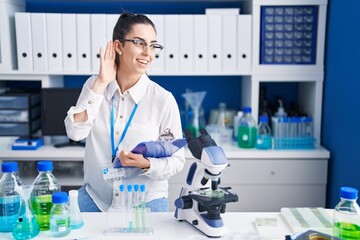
(7, 33)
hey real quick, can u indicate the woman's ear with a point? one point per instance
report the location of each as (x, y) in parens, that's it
(118, 47)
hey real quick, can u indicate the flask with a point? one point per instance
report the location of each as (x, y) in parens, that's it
(45, 184)
(347, 215)
(247, 130)
(237, 124)
(75, 214)
(9, 197)
(263, 136)
(60, 215)
(222, 121)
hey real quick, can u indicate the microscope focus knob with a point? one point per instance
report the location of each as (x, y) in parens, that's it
(184, 202)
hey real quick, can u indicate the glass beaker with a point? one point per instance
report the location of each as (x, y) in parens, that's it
(26, 226)
(195, 100)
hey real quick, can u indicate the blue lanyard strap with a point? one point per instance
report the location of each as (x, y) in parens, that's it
(112, 123)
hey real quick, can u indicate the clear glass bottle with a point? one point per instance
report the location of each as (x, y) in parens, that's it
(222, 121)
(60, 223)
(263, 136)
(347, 215)
(247, 130)
(9, 198)
(45, 184)
(237, 124)
(76, 218)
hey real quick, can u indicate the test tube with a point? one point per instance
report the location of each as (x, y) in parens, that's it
(129, 208)
(136, 205)
(143, 207)
(122, 197)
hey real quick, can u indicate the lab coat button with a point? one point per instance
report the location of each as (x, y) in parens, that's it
(121, 116)
(90, 102)
(123, 98)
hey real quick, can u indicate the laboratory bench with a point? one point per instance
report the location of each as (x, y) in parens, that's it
(265, 180)
(165, 226)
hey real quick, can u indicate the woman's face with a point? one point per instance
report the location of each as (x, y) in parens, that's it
(135, 58)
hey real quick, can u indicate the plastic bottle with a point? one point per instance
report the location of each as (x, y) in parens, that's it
(236, 124)
(9, 198)
(75, 214)
(222, 121)
(347, 215)
(45, 184)
(280, 112)
(263, 136)
(60, 223)
(247, 130)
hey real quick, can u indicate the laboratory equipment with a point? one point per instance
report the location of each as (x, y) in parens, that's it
(9, 197)
(26, 226)
(45, 184)
(195, 100)
(247, 130)
(75, 215)
(237, 118)
(347, 215)
(263, 136)
(202, 201)
(60, 215)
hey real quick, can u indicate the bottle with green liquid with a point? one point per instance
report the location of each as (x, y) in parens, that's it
(247, 130)
(45, 184)
(347, 215)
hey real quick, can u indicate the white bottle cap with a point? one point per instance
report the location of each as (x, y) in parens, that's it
(73, 193)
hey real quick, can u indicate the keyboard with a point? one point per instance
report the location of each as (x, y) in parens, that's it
(303, 219)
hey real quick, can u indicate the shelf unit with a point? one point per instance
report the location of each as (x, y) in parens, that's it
(286, 188)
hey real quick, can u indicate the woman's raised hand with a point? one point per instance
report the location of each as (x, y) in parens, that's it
(107, 71)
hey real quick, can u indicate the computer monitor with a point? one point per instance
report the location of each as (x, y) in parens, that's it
(55, 102)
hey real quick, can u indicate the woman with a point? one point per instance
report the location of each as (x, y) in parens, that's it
(120, 108)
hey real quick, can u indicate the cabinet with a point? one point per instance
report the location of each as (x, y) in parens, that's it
(293, 178)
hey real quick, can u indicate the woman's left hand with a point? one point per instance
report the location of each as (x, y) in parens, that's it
(129, 159)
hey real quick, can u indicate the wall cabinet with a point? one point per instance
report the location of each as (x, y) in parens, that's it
(264, 181)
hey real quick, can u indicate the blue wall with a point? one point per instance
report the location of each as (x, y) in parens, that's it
(341, 110)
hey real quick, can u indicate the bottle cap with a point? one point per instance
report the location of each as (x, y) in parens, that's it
(247, 109)
(129, 188)
(142, 187)
(136, 187)
(122, 187)
(9, 167)
(45, 166)
(264, 119)
(73, 193)
(348, 193)
(59, 197)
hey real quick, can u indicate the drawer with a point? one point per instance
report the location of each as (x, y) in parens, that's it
(19, 129)
(266, 172)
(19, 101)
(16, 116)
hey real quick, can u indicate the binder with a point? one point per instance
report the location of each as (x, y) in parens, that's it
(24, 41)
(111, 20)
(69, 42)
(172, 43)
(229, 36)
(83, 38)
(39, 43)
(200, 43)
(186, 32)
(98, 39)
(215, 43)
(53, 30)
(244, 43)
(158, 63)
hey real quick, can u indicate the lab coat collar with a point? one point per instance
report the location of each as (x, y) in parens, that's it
(136, 92)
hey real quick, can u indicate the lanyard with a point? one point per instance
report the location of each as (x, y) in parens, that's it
(113, 149)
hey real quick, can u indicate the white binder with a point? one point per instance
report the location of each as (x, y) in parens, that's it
(98, 39)
(215, 43)
(24, 41)
(83, 38)
(39, 43)
(229, 36)
(244, 43)
(158, 63)
(69, 42)
(172, 43)
(111, 20)
(53, 30)
(186, 38)
(200, 43)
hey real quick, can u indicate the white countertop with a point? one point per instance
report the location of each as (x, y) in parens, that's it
(165, 226)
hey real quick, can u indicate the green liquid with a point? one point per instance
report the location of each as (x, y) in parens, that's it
(41, 206)
(346, 230)
(246, 137)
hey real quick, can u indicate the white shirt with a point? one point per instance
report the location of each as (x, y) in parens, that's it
(157, 110)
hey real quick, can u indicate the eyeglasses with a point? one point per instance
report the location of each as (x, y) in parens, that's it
(154, 47)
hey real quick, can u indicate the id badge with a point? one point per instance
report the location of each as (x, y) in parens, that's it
(111, 174)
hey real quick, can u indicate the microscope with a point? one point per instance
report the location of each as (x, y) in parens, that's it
(202, 201)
